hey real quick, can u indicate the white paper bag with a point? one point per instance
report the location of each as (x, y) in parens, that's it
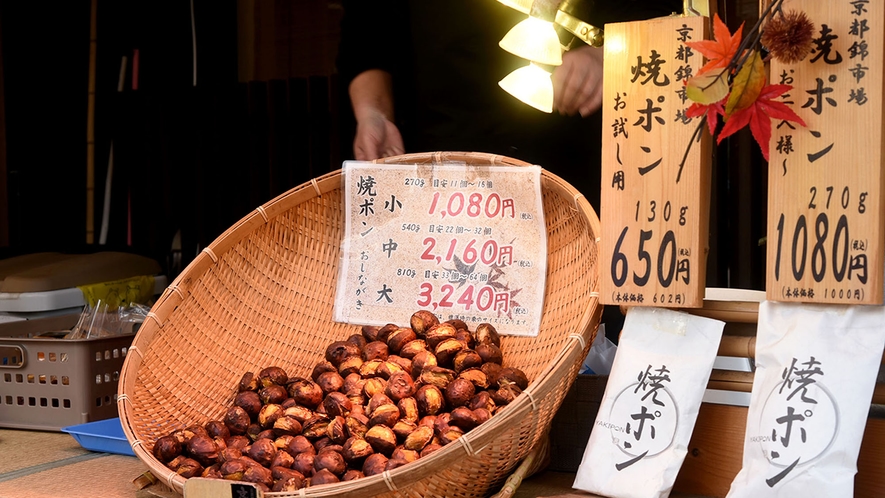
(816, 368)
(650, 405)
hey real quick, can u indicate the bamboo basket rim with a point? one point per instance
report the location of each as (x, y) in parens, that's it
(562, 365)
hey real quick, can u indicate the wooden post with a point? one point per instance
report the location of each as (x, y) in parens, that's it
(90, 127)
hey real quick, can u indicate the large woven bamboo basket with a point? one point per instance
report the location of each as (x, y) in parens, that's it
(262, 294)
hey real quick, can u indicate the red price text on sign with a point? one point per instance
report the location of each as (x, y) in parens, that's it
(474, 206)
(483, 297)
(489, 253)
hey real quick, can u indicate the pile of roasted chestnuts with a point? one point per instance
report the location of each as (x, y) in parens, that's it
(379, 400)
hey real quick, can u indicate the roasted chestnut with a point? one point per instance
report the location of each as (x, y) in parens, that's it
(486, 333)
(511, 375)
(437, 376)
(505, 394)
(418, 438)
(421, 321)
(306, 393)
(166, 448)
(262, 451)
(336, 431)
(412, 348)
(357, 424)
(475, 375)
(352, 475)
(408, 409)
(298, 444)
(399, 337)
(269, 414)
(374, 386)
(490, 353)
(216, 428)
(382, 439)
(439, 333)
(446, 350)
(338, 351)
(303, 462)
(375, 463)
(466, 358)
(375, 350)
(387, 414)
(249, 382)
(323, 366)
(286, 480)
(329, 460)
(421, 360)
(350, 365)
(459, 392)
(272, 376)
(464, 418)
(330, 382)
(287, 426)
(237, 420)
(282, 459)
(337, 404)
(356, 449)
(357, 340)
(189, 468)
(400, 385)
(273, 393)
(430, 399)
(203, 449)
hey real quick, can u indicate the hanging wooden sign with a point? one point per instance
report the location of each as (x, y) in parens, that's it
(655, 176)
(825, 205)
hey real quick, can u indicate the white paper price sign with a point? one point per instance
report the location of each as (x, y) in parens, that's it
(466, 242)
(826, 216)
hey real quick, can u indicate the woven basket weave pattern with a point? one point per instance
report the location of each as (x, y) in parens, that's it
(262, 294)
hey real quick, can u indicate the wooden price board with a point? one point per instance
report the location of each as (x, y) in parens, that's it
(655, 206)
(825, 206)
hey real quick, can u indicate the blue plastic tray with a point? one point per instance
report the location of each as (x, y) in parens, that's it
(104, 435)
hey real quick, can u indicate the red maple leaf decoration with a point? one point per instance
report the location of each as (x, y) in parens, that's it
(721, 51)
(712, 111)
(759, 116)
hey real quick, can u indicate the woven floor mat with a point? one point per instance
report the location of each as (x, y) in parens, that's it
(48, 464)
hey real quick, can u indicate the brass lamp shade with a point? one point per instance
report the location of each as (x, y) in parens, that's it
(532, 85)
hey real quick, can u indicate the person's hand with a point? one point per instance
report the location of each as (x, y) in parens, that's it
(577, 83)
(371, 94)
(376, 137)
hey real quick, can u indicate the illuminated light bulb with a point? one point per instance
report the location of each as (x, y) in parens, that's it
(523, 6)
(534, 39)
(615, 45)
(532, 85)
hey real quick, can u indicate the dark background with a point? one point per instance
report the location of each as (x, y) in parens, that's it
(267, 114)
